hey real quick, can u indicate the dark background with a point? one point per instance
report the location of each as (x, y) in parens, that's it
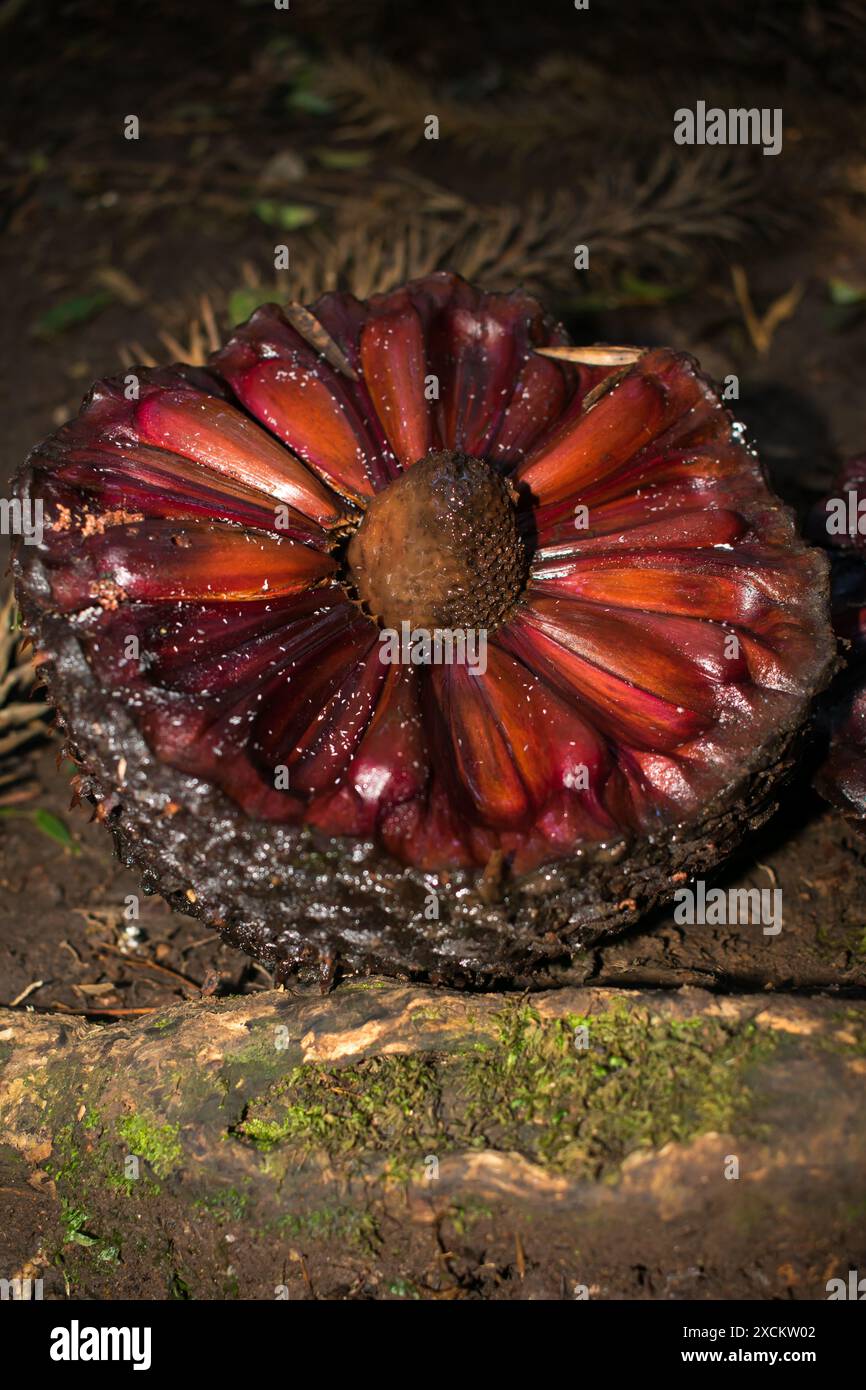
(556, 128)
(260, 126)
(305, 126)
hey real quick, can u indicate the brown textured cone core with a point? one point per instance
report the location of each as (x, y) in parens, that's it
(440, 547)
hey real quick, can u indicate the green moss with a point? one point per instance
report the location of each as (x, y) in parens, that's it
(262, 1059)
(65, 1160)
(226, 1205)
(158, 1145)
(55, 1094)
(74, 1221)
(640, 1082)
(464, 1215)
(851, 1024)
(427, 1013)
(342, 1223)
(404, 1288)
(178, 1288)
(384, 1103)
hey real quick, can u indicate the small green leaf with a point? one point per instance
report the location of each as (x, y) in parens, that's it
(587, 304)
(53, 826)
(306, 98)
(242, 303)
(287, 216)
(82, 1238)
(48, 823)
(334, 158)
(843, 293)
(646, 291)
(69, 313)
(75, 1219)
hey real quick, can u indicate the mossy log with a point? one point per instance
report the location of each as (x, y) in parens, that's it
(401, 1141)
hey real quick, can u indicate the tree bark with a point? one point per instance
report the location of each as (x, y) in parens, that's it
(402, 1141)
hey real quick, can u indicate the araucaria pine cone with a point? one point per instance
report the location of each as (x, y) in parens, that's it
(225, 552)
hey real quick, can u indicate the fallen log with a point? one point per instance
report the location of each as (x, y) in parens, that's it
(395, 1141)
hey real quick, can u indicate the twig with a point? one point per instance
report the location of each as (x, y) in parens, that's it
(149, 965)
(761, 330)
(31, 989)
(113, 1013)
(318, 337)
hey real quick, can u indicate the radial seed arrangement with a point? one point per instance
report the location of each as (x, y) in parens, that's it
(246, 570)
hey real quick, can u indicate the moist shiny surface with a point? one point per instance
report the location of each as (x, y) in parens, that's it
(205, 519)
